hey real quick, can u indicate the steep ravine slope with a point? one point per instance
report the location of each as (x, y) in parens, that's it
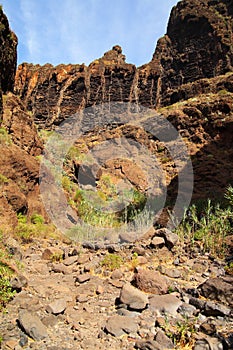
(192, 63)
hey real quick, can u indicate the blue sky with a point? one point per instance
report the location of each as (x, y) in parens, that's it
(79, 31)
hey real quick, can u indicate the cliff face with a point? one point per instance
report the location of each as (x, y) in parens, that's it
(198, 45)
(8, 57)
(19, 141)
(55, 93)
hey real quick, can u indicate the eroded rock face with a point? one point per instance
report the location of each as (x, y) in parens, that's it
(8, 56)
(19, 140)
(198, 45)
(20, 125)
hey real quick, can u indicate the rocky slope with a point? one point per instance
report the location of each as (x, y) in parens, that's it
(139, 296)
(193, 59)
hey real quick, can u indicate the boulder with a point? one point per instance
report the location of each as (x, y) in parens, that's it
(150, 281)
(167, 304)
(219, 289)
(32, 325)
(133, 298)
(120, 325)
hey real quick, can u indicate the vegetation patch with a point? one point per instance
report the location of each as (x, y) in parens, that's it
(3, 179)
(4, 137)
(112, 262)
(6, 272)
(34, 227)
(208, 225)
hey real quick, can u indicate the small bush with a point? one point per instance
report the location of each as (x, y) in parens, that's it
(3, 179)
(112, 261)
(223, 92)
(67, 184)
(229, 269)
(27, 231)
(229, 195)
(209, 227)
(55, 257)
(6, 293)
(37, 219)
(4, 137)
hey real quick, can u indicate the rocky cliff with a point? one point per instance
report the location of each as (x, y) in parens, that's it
(193, 59)
(8, 57)
(198, 45)
(19, 141)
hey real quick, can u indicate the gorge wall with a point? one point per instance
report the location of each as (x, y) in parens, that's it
(189, 80)
(8, 57)
(19, 141)
(198, 45)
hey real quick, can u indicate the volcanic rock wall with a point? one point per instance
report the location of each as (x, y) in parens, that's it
(198, 45)
(19, 141)
(8, 57)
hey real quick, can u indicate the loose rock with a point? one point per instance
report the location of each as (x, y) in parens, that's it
(56, 307)
(165, 303)
(32, 325)
(150, 281)
(133, 297)
(119, 325)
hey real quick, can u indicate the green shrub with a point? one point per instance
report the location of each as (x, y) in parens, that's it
(26, 230)
(222, 92)
(2, 27)
(55, 257)
(6, 293)
(3, 179)
(67, 184)
(22, 219)
(4, 137)
(229, 268)
(209, 227)
(229, 195)
(37, 219)
(112, 261)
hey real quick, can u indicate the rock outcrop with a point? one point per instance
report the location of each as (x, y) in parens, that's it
(19, 141)
(198, 45)
(8, 57)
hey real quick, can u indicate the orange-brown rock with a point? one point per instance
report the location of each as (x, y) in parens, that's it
(20, 125)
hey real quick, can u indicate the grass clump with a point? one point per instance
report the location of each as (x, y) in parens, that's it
(30, 228)
(6, 272)
(3, 179)
(182, 333)
(4, 137)
(112, 262)
(56, 257)
(208, 225)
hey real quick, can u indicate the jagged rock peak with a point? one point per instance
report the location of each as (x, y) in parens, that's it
(113, 56)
